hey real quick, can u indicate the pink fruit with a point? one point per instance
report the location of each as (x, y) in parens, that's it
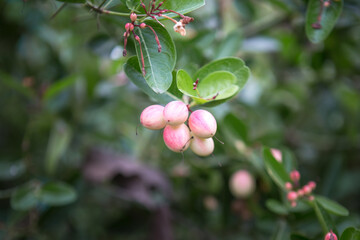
(152, 117)
(177, 138)
(330, 236)
(202, 146)
(175, 113)
(242, 184)
(292, 196)
(202, 124)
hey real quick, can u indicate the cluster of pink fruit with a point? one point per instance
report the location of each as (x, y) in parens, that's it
(295, 191)
(177, 136)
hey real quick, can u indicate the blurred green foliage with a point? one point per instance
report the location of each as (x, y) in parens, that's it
(64, 92)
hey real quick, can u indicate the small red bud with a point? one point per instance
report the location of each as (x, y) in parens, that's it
(327, 4)
(330, 236)
(307, 190)
(142, 25)
(312, 185)
(288, 186)
(137, 38)
(292, 196)
(295, 176)
(311, 198)
(300, 193)
(133, 17)
(293, 204)
(127, 26)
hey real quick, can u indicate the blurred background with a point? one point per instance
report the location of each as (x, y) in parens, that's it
(68, 119)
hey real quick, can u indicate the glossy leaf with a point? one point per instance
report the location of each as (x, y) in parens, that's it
(350, 234)
(220, 84)
(324, 219)
(235, 66)
(58, 87)
(59, 140)
(329, 17)
(72, 1)
(332, 206)
(236, 126)
(25, 197)
(276, 207)
(275, 169)
(57, 193)
(183, 6)
(158, 66)
(132, 4)
(11, 170)
(132, 70)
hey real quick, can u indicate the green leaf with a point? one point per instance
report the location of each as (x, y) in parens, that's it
(183, 6)
(58, 143)
(59, 86)
(10, 82)
(230, 45)
(275, 169)
(332, 206)
(25, 197)
(296, 236)
(11, 170)
(57, 193)
(350, 234)
(276, 207)
(329, 17)
(324, 218)
(72, 1)
(158, 66)
(235, 66)
(220, 84)
(236, 127)
(132, 4)
(132, 70)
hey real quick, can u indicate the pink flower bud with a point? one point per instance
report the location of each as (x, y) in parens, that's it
(300, 193)
(142, 25)
(330, 236)
(312, 185)
(129, 27)
(292, 196)
(295, 176)
(327, 4)
(202, 124)
(177, 138)
(152, 117)
(277, 154)
(133, 17)
(311, 198)
(307, 190)
(202, 146)
(293, 204)
(137, 38)
(175, 113)
(242, 184)
(288, 186)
